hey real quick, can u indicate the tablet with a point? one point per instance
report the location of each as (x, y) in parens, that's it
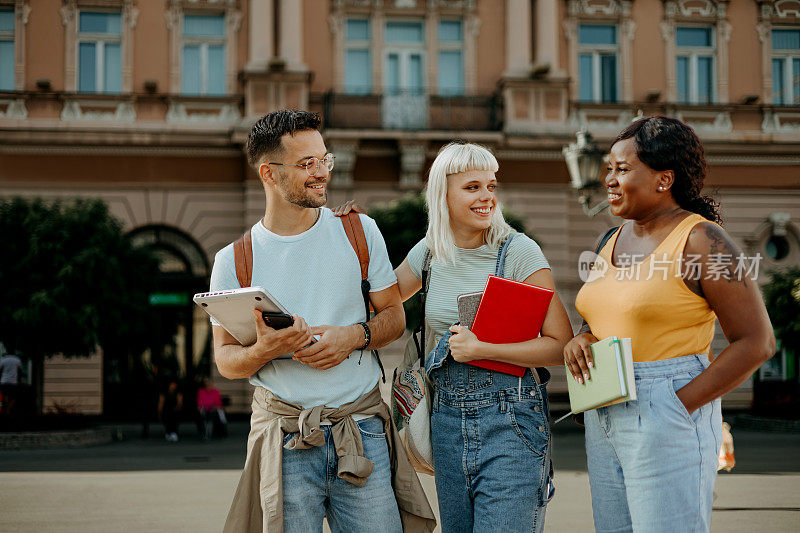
(233, 310)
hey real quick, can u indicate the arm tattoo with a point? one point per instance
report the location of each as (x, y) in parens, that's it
(691, 276)
(722, 248)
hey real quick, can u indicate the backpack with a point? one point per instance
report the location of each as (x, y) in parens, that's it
(412, 390)
(243, 260)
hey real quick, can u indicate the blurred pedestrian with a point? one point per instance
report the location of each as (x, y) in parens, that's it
(10, 370)
(209, 409)
(170, 404)
(147, 394)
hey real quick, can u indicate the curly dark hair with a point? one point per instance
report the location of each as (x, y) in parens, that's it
(265, 137)
(664, 143)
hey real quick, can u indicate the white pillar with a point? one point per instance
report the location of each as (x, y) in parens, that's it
(412, 163)
(346, 155)
(546, 35)
(260, 29)
(518, 37)
(291, 34)
(377, 23)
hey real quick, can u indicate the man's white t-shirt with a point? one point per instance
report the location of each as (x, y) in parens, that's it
(316, 275)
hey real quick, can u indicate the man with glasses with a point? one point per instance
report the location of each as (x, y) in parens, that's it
(320, 432)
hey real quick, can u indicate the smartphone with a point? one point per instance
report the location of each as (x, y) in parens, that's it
(277, 320)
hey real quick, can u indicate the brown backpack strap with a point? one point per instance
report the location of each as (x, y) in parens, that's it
(355, 234)
(243, 258)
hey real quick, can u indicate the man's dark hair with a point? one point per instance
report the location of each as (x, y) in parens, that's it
(265, 137)
(664, 143)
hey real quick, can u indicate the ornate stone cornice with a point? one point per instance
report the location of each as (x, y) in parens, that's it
(464, 6)
(696, 9)
(593, 8)
(205, 3)
(779, 10)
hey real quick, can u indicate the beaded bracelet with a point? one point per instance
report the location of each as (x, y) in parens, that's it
(367, 335)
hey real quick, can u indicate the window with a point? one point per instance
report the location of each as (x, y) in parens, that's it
(6, 49)
(597, 63)
(451, 58)
(405, 51)
(405, 32)
(99, 52)
(786, 67)
(405, 99)
(203, 65)
(357, 58)
(695, 65)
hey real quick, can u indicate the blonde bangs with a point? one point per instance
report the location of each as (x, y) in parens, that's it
(454, 158)
(466, 157)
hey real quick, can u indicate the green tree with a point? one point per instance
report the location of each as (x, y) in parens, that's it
(782, 298)
(72, 281)
(403, 223)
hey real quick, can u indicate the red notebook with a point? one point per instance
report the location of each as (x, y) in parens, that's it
(509, 311)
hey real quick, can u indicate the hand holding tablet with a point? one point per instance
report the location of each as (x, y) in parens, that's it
(233, 310)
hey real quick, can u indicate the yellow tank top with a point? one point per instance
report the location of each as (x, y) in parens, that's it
(648, 301)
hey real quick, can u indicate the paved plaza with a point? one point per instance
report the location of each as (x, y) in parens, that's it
(152, 485)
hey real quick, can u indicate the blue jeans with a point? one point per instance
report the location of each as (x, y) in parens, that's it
(312, 490)
(490, 437)
(652, 465)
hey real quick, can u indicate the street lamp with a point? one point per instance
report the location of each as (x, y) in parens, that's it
(583, 162)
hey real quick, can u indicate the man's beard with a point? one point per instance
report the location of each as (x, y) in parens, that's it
(299, 198)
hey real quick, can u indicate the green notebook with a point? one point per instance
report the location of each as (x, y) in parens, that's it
(611, 379)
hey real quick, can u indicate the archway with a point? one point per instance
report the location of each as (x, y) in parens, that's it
(179, 337)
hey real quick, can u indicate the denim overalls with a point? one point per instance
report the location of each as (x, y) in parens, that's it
(490, 437)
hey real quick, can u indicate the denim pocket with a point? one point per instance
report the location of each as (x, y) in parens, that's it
(674, 384)
(464, 378)
(478, 379)
(530, 424)
(371, 427)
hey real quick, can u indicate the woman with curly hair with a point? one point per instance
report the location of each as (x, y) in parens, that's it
(671, 272)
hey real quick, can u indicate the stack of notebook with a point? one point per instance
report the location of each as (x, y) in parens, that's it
(507, 312)
(611, 380)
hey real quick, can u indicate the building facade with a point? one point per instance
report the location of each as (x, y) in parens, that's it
(147, 104)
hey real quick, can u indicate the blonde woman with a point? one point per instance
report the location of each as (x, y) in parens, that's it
(490, 430)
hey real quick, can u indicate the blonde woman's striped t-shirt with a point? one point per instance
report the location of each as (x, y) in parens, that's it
(469, 273)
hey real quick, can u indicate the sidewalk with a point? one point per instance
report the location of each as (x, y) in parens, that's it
(152, 485)
(197, 500)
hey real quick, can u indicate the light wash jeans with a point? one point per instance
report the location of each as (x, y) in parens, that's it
(312, 490)
(652, 465)
(490, 435)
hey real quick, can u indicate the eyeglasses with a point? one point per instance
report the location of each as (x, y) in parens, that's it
(312, 164)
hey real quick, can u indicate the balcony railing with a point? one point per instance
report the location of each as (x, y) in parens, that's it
(409, 111)
(121, 109)
(710, 121)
